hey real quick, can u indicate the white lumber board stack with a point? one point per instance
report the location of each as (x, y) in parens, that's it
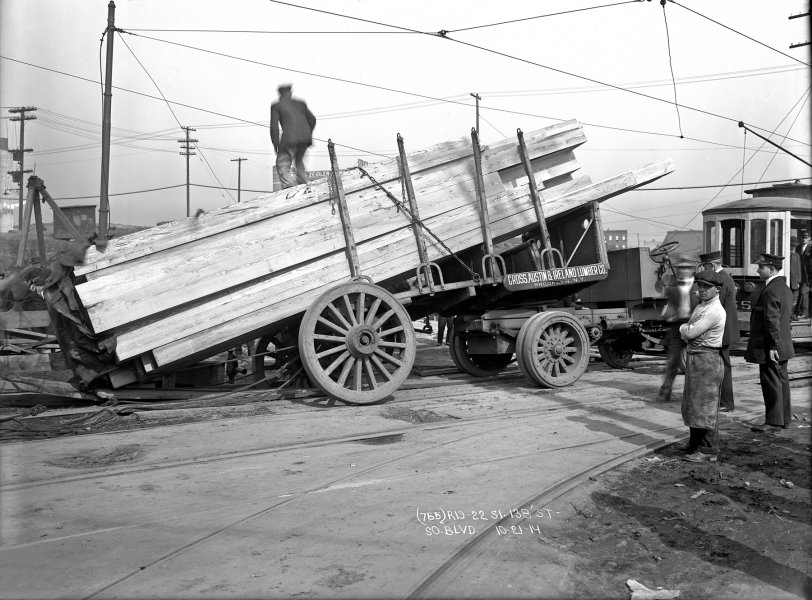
(188, 288)
(544, 142)
(168, 271)
(171, 339)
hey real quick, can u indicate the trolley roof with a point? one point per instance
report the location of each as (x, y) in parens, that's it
(763, 203)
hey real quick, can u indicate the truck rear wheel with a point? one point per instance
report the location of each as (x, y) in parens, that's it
(552, 349)
(615, 353)
(478, 365)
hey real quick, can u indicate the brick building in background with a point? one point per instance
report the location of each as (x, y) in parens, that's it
(616, 239)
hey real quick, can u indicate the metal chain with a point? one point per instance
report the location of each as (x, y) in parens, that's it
(333, 193)
(401, 207)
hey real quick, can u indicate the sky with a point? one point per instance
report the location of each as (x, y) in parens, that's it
(370, 69)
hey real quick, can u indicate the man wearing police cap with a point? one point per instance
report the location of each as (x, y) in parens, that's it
(727, 297)
(770, 341)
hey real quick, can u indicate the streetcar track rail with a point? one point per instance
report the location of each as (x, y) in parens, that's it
(433, 580)
(557, 412)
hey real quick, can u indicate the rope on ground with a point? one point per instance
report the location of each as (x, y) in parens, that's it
(18, 427)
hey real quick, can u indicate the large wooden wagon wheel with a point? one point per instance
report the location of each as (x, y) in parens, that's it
(478, 365)
(357, 343)
(552, 349)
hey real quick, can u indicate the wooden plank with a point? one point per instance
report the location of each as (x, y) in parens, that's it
(24, 319)
(22, 383)
(303, 284)
(233, 258)
(377, 262)
(26, 333)
(177, 233)
(292, 296)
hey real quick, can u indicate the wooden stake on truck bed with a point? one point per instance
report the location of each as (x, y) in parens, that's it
(344, 213)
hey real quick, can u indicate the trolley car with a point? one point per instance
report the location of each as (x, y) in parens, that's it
(769, 221)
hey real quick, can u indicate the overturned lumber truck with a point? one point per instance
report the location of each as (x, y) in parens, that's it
(331, 274)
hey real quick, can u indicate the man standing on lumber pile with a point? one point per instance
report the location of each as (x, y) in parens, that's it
(297, 135)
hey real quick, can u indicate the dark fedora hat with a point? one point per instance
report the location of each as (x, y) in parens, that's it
(710, 256)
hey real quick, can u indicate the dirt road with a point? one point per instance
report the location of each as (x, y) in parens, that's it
(475, 488)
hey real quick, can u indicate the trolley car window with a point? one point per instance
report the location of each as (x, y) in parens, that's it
(758, 237)
(733, 242)
(710, 236)
(776, 236)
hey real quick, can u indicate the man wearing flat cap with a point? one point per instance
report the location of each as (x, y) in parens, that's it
(770, 342)
(804, 250)
(727, 297)
(297, 124)
(703, 334)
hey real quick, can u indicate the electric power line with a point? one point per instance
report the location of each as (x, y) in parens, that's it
(444, 35)
(738, 32)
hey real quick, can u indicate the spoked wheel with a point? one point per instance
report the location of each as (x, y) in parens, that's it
(615, 353)
(357, 343)
(478, 365)
(552, 349)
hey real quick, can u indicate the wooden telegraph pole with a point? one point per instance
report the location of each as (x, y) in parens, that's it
(19, 154)
(186, 146)
(239, 176)
(478, 98)
(104, 200)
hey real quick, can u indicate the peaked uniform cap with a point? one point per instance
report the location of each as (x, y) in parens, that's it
(770, 259)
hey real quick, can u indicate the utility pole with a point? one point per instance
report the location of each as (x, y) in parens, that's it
(107, 108)
(19, 154)
(239, 176)
(186, 145)
(477, 111)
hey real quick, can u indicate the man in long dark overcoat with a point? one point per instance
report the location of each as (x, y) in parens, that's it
(804, 251)
(727, 297)
(770, 342)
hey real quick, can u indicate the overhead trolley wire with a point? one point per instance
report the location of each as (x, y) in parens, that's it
(805, 98)
(709, 202)
(443, 34)
(269, 32)
(711, 186)
(671, 66)
(176, 103)
(556, 14)
(405, 92)
(364, 151)
(158, 189)
(171, 110)
(739, 33)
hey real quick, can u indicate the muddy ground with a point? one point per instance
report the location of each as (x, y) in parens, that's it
(737, 528)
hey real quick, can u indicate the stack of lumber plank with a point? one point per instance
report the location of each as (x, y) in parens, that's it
(185, 290)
